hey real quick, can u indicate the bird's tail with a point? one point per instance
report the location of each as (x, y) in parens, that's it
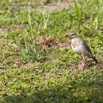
(96, 61)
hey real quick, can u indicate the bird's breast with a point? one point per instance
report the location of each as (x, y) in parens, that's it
(76, 45)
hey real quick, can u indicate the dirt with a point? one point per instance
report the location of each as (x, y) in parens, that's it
(48, 42)
(17, 26)
(51, 6)
(3, 31)
(56, 6)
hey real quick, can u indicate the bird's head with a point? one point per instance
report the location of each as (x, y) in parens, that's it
(72, 34)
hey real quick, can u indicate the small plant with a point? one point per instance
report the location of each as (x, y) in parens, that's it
(31, 50)
(46, 17)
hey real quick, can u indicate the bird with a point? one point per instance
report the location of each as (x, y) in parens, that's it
(80, 47)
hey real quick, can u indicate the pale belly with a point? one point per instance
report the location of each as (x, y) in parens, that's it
(77, 46)
(78, 49)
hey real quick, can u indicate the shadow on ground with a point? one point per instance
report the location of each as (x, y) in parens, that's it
(74, 92)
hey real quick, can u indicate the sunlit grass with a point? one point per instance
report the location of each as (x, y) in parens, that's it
(37, 64)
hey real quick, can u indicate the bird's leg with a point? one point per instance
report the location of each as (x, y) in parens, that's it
(83, 63)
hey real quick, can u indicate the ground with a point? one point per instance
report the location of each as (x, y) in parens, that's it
(37, 63)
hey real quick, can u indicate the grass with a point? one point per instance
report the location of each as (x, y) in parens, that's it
(37, 64)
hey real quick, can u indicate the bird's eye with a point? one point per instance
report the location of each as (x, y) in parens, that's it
(72, 33)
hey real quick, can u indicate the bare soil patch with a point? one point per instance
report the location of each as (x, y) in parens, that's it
(48, 42)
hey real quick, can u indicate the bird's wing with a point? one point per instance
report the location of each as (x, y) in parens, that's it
(87, 47)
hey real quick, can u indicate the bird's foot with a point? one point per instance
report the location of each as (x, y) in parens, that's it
(82, 66)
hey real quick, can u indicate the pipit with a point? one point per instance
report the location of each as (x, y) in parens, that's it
(80, 47)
